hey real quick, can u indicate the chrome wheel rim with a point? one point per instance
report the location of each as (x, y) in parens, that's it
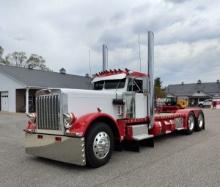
(191, 122)
(200, 120)
(101, 145)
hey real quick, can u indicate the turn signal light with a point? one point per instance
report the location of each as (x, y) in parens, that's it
(32, 117)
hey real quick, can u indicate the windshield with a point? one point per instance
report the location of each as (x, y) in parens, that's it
(110, 84)
(98, 85)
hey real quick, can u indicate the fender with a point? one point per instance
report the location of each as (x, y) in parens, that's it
(81, 124)
(30, 127)
(186, 111)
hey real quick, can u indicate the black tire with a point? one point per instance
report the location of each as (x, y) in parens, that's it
(191, 120)
(201, 106)
(93, 141)
(200, 122)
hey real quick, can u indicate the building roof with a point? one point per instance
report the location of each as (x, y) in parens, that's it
(194, 89)
(44, 79)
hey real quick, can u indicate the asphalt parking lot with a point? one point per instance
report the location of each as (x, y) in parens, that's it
(176, 160)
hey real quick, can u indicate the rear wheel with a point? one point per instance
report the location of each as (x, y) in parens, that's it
(99, 145)
(191, 123)
(200, 122)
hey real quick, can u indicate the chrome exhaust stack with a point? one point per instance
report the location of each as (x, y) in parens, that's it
(104, 57)
(150, 71)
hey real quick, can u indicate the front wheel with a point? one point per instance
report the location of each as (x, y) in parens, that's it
(99, 145)
(191, 123)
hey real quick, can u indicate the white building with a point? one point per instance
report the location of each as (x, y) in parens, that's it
(19, 85)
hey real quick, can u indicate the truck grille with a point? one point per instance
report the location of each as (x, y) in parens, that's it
(48, 112)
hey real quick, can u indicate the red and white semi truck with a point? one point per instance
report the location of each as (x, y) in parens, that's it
(83, 127)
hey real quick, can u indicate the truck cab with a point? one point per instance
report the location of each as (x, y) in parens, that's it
(129, 89)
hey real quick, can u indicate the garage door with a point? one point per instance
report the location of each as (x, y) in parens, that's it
(4, 101)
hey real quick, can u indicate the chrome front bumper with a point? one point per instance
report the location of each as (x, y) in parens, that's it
(60, 148)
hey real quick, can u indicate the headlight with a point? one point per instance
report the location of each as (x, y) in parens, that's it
(32, 117)
(68, 119)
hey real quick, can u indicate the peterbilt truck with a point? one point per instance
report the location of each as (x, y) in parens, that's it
(83, 127)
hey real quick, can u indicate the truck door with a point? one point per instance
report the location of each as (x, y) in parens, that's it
(139, 100)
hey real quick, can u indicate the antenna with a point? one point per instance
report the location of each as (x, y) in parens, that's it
(139, 50)
(90, 69)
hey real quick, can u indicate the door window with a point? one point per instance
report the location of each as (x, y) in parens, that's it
(135, 85)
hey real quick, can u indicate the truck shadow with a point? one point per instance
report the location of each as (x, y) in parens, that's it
(58, 164)
(173, 135)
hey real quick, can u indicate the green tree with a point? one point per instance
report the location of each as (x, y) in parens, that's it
(1, 51)
(158, 82)
(8, 59)
(1, 54)
(37, 61)
(2, 59)
(17, 58)
(20, 59)
(158, 90)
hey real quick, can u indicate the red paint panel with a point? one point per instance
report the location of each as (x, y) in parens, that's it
(129, 134)
(121, 126)
(166, 108)
(186, 111)
(115, 72)
(157, 128)
(138, 74)
(216, 102)
(80, 126)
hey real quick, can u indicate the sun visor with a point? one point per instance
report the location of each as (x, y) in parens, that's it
(109, 77)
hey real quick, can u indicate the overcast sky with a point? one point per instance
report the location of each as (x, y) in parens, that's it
(187, 34)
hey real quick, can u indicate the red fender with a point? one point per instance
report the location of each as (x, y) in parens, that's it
(81, 124)
(30, 127)
(186, 111)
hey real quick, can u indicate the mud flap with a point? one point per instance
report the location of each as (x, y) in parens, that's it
(148, 142)
(131, 145)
